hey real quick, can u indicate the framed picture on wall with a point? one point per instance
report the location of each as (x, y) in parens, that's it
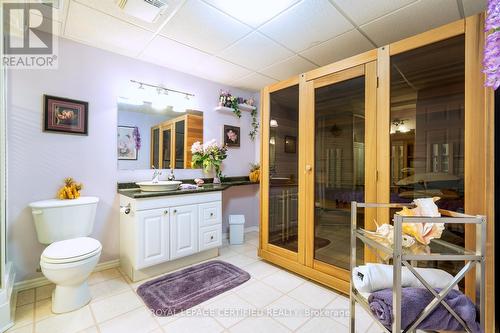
(65, 115)
(127, 147)
(232, 136)
(290, 144)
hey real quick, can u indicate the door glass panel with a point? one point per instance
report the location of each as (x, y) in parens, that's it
(427, 129)
(339, 167)
(156, 148)
(179, 144)
(283, 164)
(167, 140)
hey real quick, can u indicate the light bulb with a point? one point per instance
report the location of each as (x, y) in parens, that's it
(273, 123)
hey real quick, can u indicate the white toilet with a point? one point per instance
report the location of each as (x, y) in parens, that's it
(71, 256)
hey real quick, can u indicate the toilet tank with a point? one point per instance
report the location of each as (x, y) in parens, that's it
(57, 220)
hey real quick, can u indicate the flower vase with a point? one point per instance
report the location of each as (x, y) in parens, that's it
(217, 177)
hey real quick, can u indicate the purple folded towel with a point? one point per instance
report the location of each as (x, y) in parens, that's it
(414, 300)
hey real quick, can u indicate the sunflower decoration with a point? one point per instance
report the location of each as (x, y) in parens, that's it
(70, 190)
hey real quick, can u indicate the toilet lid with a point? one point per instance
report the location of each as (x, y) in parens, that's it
(71, 250)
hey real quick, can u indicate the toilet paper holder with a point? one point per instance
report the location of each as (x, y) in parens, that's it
(125, 209)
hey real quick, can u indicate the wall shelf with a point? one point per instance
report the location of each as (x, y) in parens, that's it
(242, 107)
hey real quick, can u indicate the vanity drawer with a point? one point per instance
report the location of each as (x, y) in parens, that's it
(210, 237)
(210, 213)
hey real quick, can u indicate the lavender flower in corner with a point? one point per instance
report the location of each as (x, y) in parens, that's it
(491, 61)
(137, 137)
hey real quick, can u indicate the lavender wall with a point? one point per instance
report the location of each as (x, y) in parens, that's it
(37, 161)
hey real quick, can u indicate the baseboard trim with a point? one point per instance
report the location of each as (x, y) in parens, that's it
(42, 281)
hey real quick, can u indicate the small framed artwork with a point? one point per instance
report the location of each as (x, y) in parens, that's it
(127, 147)
(290, 144)
(232, 136)
(65, 115)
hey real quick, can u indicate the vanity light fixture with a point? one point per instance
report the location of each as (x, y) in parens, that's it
(159, 96)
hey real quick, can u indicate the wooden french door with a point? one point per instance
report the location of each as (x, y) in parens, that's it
(340, 164)
(318, 154)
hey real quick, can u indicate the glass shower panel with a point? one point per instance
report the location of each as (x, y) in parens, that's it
(283, 164)
(339, 167)
(427, 125)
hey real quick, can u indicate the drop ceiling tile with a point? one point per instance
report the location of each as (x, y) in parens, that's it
(364, 11)
(472, 7)
(254, 81)
(411, 20)
(292, 66)
(169, 53)
(100, 30)
(254, 12)
(338, 48)
(111, 7)
(306, 24)
(255, 51)
(199, 25)
(219, 70)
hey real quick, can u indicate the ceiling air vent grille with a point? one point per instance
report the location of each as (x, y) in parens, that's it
(146, 10)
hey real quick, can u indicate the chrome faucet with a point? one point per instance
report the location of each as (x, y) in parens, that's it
(171, 176)
(156, 175)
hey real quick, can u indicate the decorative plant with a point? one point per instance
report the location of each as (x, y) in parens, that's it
(492, 46)
(70, 190)
(254, 174)
(209, 156)
(255, 124)
(227, 100)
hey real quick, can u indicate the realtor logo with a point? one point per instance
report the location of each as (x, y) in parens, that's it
(28, 38)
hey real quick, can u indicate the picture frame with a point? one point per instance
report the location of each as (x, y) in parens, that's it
(65, 115)
(126, 144)
(290, 144)
(232, 135)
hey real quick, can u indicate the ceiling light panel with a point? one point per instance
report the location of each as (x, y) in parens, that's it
(307, 24)
(253, 13)
(201, 26)
(288, 68)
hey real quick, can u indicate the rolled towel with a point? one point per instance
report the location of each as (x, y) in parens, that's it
(188, 187)
(372, 277)
(413, 302)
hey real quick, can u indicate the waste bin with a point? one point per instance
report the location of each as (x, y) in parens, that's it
(236, 229)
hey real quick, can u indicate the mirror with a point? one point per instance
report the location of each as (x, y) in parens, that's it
(148, 136)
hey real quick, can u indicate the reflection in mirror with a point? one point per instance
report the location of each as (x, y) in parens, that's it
(150, 136)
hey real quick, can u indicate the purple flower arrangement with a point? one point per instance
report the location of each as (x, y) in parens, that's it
(137, 138)
(491, 61)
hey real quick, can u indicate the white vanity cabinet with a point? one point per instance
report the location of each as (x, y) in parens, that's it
(158, 231)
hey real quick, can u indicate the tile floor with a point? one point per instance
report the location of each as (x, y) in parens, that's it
(262, 304)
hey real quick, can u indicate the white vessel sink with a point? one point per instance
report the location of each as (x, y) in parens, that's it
(161, 186)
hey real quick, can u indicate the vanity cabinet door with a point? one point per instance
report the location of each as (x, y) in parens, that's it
(183, 231)
(153, 237)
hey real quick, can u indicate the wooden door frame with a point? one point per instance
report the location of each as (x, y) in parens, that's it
(369, 71)
(265, 248)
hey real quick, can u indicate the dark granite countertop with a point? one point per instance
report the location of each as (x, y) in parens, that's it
(132, 190)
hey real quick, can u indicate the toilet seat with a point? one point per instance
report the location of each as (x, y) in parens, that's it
(71, 250)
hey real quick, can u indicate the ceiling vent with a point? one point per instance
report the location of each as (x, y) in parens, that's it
(146, 10)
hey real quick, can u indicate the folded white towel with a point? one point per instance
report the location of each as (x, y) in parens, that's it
(188, 187)
(372, 277)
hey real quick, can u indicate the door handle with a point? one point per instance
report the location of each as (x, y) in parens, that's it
(309, 167)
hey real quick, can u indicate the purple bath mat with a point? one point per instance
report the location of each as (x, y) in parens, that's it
(179, 291)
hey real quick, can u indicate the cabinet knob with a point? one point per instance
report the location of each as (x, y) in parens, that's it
(308, 167)
(165, 212)
(211, 214)
(175, 211)
(211, 237)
